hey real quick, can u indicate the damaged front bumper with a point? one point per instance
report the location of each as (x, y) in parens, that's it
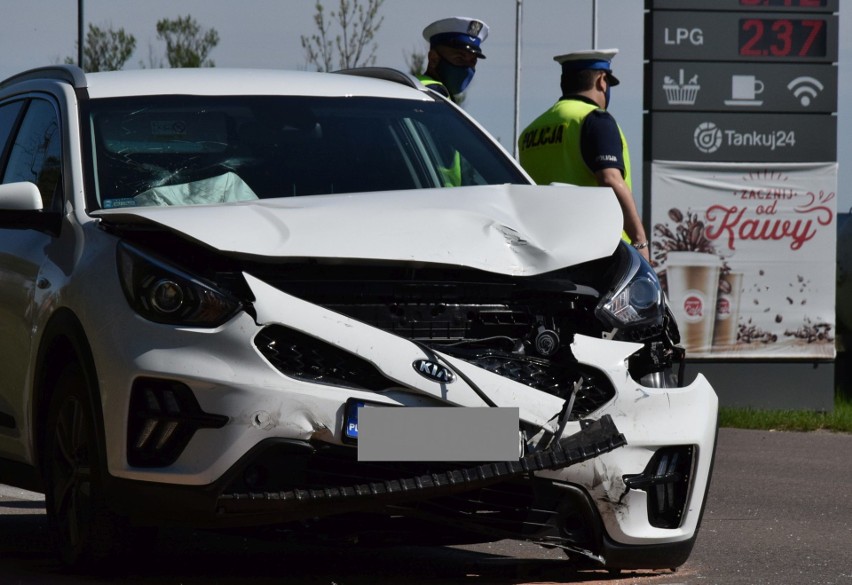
(588, 487)
(594, 439)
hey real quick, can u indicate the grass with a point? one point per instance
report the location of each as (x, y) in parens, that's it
(840, 420)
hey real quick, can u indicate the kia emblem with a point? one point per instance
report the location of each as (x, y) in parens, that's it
(433, 371)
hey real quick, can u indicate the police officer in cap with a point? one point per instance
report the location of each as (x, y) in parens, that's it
(577, 141)
(454, 48)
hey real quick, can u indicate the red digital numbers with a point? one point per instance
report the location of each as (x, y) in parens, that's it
(782, 37)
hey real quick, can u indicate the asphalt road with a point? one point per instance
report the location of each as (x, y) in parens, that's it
(779, 512)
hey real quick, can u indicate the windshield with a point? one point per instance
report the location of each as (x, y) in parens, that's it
(185, 150)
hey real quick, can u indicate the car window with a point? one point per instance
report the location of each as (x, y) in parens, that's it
(8, 117)
(36, 153)
(190, 150)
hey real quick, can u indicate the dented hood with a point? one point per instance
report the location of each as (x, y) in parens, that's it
(506, 229)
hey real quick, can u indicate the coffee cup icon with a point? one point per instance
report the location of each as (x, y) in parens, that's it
(693, 283)
(727, 310)
(745, 88)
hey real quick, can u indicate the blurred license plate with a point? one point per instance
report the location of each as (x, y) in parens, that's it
(350, 426)
(434, 433)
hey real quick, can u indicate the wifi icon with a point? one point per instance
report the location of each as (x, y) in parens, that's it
(805, 89)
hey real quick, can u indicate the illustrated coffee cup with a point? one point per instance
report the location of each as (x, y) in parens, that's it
(727, 310)
(745, 87)
(693, 281)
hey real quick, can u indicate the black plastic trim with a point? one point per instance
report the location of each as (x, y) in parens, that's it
(67, 73)
(594, 439)
(385, 73)
(651, 556)
(209, 506)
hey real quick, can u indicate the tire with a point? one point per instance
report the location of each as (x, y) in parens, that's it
(86, 533)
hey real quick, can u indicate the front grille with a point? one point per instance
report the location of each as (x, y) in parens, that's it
(303, 357)
(552, 376)
(518, 328)
(537, 374)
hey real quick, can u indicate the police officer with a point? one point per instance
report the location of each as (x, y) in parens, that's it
(454, 49)
(577, 141)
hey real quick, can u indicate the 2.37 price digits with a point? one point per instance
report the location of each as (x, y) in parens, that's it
(782, 37)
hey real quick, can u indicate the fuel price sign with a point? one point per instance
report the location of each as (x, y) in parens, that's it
(745, 36)
(761, 38)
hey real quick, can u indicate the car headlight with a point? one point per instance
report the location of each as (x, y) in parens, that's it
(636, 303)
(163, 293)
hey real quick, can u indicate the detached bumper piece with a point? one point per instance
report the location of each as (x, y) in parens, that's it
(594, 439)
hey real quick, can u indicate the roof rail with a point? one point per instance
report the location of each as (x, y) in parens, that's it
(68, 73)
(386, 73)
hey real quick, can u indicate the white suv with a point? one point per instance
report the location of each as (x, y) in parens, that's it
(209, 278)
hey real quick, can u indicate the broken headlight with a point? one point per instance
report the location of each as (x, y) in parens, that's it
(635, 304)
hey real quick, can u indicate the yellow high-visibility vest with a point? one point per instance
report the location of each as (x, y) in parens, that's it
(429, 81)
(549, 148)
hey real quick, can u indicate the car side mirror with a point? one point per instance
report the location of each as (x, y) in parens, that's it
(21, 208)
(23, 196)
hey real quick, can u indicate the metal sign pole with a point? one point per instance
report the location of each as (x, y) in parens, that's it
(80, 33)
(594, 24)
(519, 9)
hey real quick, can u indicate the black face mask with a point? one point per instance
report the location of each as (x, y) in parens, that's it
(454, 77)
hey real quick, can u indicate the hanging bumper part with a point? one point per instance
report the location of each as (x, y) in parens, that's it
(594, 439)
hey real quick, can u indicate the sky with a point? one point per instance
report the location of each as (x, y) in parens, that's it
(267, 33)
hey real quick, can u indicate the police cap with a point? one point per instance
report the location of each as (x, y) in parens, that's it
(459, 32)
(600, 60)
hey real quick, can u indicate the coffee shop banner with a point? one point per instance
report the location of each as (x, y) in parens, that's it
(747, 254)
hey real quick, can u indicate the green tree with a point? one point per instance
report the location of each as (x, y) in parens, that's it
(106, 49)
(353, 45)
(187, 44)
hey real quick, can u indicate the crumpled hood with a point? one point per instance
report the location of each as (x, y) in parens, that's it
(507, 229)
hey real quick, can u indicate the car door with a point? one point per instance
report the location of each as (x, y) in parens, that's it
(31, 152)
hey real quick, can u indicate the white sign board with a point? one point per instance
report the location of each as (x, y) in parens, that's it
(747, 252)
